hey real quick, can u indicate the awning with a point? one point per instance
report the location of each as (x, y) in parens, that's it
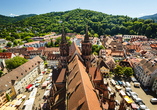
(18, 102)
(128, 100)
(10, 108)
(13, 102)
(7, 104)
(28, 86)
(3, 107)
(23, 97)
(19, 96)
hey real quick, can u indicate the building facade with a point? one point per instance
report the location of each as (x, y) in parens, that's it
(154, 86)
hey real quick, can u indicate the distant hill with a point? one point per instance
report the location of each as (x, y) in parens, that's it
(7, 20)
(75, 21)
(153, 17)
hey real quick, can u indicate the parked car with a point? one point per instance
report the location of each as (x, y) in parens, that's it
(134, 97)
(133, 79)
(128, 94)
(117, 82)
(123, 83)
(117, 103)
(140, 103)
(120, 83)
(128, 89)
(128, 84)
(113, 82)
(133, 93)
(153, 100)
(138, 100)
(143, 107)
(136, 84)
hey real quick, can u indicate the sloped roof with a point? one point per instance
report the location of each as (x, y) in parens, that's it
(95, 73)
(18, 73)
(74, 48)
(5, 55)
(81, 93)
(61, 77)
(31, 48)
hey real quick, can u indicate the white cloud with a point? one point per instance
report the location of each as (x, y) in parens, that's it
(144, 14)
(13, 14)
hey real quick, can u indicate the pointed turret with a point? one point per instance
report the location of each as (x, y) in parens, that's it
(86, 38)
(63, 37)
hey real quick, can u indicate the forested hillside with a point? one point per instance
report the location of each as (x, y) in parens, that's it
(75, 21)
(7, 20)
(153, 17)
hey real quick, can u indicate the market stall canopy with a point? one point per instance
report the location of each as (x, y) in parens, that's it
(23, 97)
(7, 104)
(13, 102)
(10, 108)
(28, 86)
(50, 74)
(3, 107)
(18, 102)
(19, 96)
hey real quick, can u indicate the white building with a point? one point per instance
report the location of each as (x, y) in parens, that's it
(24, 74)
(145, 71)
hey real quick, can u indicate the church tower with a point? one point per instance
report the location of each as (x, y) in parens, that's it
(64, 50)
(86, 50)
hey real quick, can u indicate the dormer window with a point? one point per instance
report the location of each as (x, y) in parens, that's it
(21, 73)
(17, 77)
(32, 66)
(25, 70)
(29, 68)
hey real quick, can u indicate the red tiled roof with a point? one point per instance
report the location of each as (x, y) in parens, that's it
(95, 73)
(5, 55)
(31, 48)
(41, 48)
(61, 77)
(73, 48)
(80, 90)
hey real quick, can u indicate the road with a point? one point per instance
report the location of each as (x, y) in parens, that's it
(145, 96)
(39, 96)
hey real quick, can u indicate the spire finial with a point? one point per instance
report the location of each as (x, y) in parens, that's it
(63, 37)
(86, 38)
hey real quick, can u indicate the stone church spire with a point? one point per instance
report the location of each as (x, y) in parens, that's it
(64, 50)
(63, 37)
(86, 38)
(86, 50)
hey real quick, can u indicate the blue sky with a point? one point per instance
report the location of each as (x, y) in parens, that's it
(132, 8)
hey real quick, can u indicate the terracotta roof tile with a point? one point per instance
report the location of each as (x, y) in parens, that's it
(81, 96)
(5, 55)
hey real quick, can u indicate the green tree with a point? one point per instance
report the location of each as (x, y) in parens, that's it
(118, 70)
(95, 53)
(96, 35)
(9, 44)
(15, 62)
(8, 97)
(15, 42)
(1, 73)
(128, 71)
(51, 43)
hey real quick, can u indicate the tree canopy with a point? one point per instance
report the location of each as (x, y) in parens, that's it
(118, 70)
(15, 62)
(75, 22)
(128, 71)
